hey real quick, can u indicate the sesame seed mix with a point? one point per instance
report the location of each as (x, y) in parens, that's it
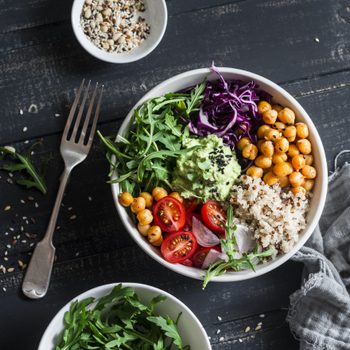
(114, 25)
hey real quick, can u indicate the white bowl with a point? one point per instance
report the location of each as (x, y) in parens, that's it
(281, 96)
(190, 329)
(156, 15)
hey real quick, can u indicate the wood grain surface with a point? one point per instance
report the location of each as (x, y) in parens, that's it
(303, 45)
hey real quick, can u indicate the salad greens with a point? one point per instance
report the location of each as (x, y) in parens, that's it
(228, 244)
(12, 161)
(146, 155)
(119, 320)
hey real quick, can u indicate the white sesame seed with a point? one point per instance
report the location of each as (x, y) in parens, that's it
(219, 318)
(221, 339)
(31, 245)
(258, 327)
(36, 205)
(247, 329)
(6, 252)
(23, 241)
(8, 207)
(57, 114)
(89, 198)
(8, 246)
(260, 324)
(6, 233)
(70, 208)
(11, 229)
(21, 111)
(4, 289)
(73, 217)
(317, 40)
(22, 201)
(262, 315)
(25, 129)
(77, 254)
(240, 340)
(10, 269)
(26, 142)
(6, 258)
(218, 331)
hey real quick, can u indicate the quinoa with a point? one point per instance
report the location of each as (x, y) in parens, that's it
(274, 215)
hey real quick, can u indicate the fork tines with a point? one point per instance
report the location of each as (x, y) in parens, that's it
(70, 134)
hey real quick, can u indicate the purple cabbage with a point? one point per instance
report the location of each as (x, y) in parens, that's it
(228, 110)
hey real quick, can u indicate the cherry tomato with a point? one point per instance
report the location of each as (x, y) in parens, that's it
(187, 262)
(169, 214)
(200, 255)
(178, 247)
(214, 216)
(190, 205)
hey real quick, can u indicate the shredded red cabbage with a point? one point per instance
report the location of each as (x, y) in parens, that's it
(228, 110)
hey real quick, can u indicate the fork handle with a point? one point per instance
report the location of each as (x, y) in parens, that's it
(37, 279)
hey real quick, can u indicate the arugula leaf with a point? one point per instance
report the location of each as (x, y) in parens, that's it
(247, 261)
(118, 320)
(145, 156)
(23, 165)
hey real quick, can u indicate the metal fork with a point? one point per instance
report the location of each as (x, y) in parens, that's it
(37, 278)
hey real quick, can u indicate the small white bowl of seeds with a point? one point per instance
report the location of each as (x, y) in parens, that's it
(119, 31)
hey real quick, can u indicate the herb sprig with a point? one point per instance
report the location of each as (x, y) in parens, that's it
(146, 155)
(12, 161)
(119, 320)
(228, 244)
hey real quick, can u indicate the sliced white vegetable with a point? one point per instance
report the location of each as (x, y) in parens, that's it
(204, 236)
(212, 257)
(245, 239)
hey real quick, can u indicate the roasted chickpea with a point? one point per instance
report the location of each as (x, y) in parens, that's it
(270, 178)
(279, 157)
(157, 243)
(297, 190)
(154, 234)
(177, 196)
(283, 181)
(158, 193)
(271, 135)
(298, 162)
(125, 199)
(262, 130)
(286, 115)
(145, 217)
(250, 151)
(304, 146)
(143, 229)
(309, 159)
(263, 162)
(148, 198)
(292, 151)
(308, 184)
(255, 171)
(138, 204)
(267, 149)
(243, 142)
(270, 116)
(302, 130)
(290, 133)
(280, 126)
(282, 169)
(277, 107)
(282, 145)
(263, 106)
(309, 172)
(296, 179)
(259, 143)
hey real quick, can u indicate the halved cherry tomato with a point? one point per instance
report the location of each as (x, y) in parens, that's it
(200, 255)
(178, 247)
(187, 262)
(169, 214)
(214, 216)
(190, 205)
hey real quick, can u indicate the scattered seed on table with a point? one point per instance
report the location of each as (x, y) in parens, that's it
(10, 181)
(219, 318)
(258, 327)
(30, 198)
(89, 198)
(262, 315)
(10, 269)
(8, 207)
(10, 174)
(36, 205)
(8, 246)
(11, 229)
(57, 114)
(23, 241)
(317, 40)
(247, 329)
(218, 331)
(73, 217)
(25, 129)
(4, 289)
(21, 111)
(6, 233)
(240, 340)
(22, 201)
(221, 339)
(70, 208)
(6, 258)
(5, 253)
(20, 263)
(31, 245)
(26, 142)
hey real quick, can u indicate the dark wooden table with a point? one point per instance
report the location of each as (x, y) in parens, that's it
(303, 45)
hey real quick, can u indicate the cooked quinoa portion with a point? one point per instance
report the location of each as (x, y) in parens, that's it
(276, 217)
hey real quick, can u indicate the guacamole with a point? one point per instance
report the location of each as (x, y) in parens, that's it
(208, 171)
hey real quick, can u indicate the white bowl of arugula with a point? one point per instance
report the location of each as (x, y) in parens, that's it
(125, 316)
(184, 157)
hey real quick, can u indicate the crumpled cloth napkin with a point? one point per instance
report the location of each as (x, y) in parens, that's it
(319, 313)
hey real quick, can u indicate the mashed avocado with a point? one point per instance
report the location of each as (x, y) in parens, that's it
(208, 171)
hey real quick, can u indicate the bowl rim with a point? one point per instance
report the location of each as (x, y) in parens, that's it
(264, 268)
(113, 58)
(104, 289)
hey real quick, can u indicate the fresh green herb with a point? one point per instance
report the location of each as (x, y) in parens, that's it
(146, 155)
(118, 321)
(228, 244)
(13, 161)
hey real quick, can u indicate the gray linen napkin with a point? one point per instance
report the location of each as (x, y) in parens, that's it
(319, 313)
